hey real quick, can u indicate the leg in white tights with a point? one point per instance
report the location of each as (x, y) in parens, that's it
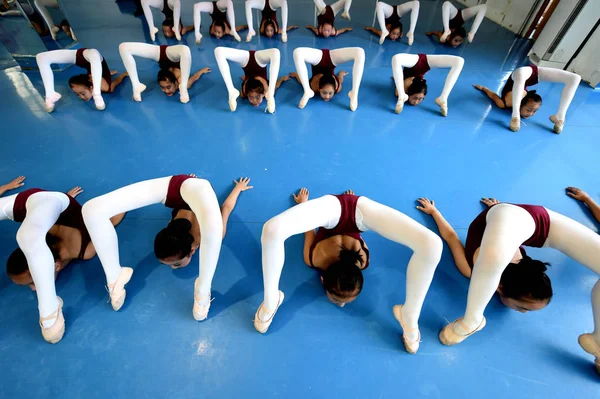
(384, 11)
(399, 61)
(284, 16)
(325, 212)
(303, 55)
(197, 193)
(448, 13)
(95, 59)
(270, 56)
(42, 5)
(45, 61)
(129, 49)
(342, 4)
(175, 5)
(479, 13)
(182, 53)
(228, 6)
(252, 5)
(204, 6)
(146, 4)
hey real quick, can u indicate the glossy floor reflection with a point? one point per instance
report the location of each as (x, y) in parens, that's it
(153, 348)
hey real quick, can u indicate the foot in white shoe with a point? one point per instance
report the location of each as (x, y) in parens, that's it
(304, 100)
(251, 34)
(445, 36)
(264, 318)
(53, 326)
(353, 100)
(443, 106)
(558, 124)
(384, 34)
(198, 37)
(400, 103)
(411, 38)
(117, 291)
(201, 306)
(177, 35)
(284, 37)
(51, 100)
(137, 92)
(470, 37)
(184, 96)
(99, 102)
(346, 15)
(271, 105)
(233, 100)
(236, 36)
(153, 33)
(515, 124)
(411, 337)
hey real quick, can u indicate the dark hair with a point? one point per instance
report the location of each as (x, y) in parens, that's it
(83, 80)
(17, 262)
(531, 96)
(64, 22)
(272, 23)
(253, 84)
(175, 240)
(220, 24)
(396, 25)
(327, 79)
(460, 32)
(418, 85)
(168, 22)
(164, 75)
(343, 278)
(527, 279)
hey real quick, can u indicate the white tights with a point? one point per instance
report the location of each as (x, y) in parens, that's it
(402, 60)
(336, 7)
(197, 193)
(370, 215)
(207, 7)
(570, 79)
(508, 226)
(43, 210)
(260, 5)
(174, 5)
(449, 12)
(47, 58)
(303, 55)
(384, 11)
(263, 57)
(42, 6)
(179, 52)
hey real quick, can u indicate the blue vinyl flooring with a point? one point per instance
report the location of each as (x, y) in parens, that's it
(153, 348)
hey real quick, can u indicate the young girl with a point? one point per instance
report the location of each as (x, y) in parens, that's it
(52, 234)
(171, 26)
(269, 26)
(525, 103)
(97, 80)
(389, 21)
(323, 79)
(256, 83)
(42, 6)
(175, 63)
(175, 192)
(326, 18)
(495, 260)
(340, 254)
(454, 19)
(223, 19)
(409, 71)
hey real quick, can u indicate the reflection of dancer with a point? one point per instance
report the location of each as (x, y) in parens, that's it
(42, 6)
(171, 26)
(269, 26)
(32, 14)
(389, 21)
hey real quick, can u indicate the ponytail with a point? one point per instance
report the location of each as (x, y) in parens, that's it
(527, 279)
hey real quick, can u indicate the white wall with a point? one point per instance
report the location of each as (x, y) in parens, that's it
(587, 62)
(510, 14)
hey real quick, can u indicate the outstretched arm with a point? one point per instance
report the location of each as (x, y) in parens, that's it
(313, 29)
(448, 234)
(13, 184)
(229, 204)
(343, 30)
(118, 80)
(584, 197)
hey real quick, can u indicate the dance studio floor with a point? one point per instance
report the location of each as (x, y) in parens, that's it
(153, 348)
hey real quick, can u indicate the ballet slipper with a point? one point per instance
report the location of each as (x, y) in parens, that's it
(117, 289)
(233, 99)
(307, 96)
(200, 312)
(400, 103)
(54, 31)
(353, 100)
(177, 35)
(99, 102)
(153, 32)
(270, 104)
(198, 37)
(515, 124)
(72, 34)
(470, 37)
(51, 100)
(55, 332)
(251, 34)
(558, 124)
(443, 106)
(346, 15)
(588, 343)
(137, 92)
(411, 346)
(411, 38)
(384, 34)
(236, 36)
(262, 326)
(445, 36)
(449, 337)
(284, 37)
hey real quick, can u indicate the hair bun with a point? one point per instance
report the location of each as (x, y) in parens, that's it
(179, 225)
(350, 256)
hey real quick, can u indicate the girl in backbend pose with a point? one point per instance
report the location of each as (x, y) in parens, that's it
(98, 79)
(453, 19)
(525, 103)
(52, 234)
(494, 259)
(175, 245)
(409, 71)
(256, 83)
(42, 6)
(269, 26)
(389, 21)
(326, 18)
(175, 63)
(223, 19)
(340, 254)
(171, 26)
(324, 80)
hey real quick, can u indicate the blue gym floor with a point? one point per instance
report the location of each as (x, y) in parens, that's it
(153, 348)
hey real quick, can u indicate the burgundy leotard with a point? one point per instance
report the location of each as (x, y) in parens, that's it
(326, 18)
(80, 61)
(346, 226)
(174, 199)
(70, 217)
(325, 66)
(253, 70)
(458, 21)
(269, 14)
(533, 80)
(219, 16)
(164, 62)
(477, 228)
(420, 68)
(393, 19)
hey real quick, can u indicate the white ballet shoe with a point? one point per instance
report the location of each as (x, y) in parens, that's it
(284, 37)
(304, 100)
(270, 104)
(263, 325)
(117, 289)
(233, 100)
(411, 38)
(55, 332)
(137, 92)
(51, 101)
(251, 34)
(236, 36)
(384, 34)
(400, 103)
(184, 96)
(198, 37)
(588, 343)
(99, 102)
(470, 37)
(54, 31)
(177, 35)
(445, 36)
(411, 346)
(200, 312)
(515, 124)
(558, 124)
(353, 100)
(73, 34)
(346, 15)
(449, 337)
(153, 33)
(443, 106)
